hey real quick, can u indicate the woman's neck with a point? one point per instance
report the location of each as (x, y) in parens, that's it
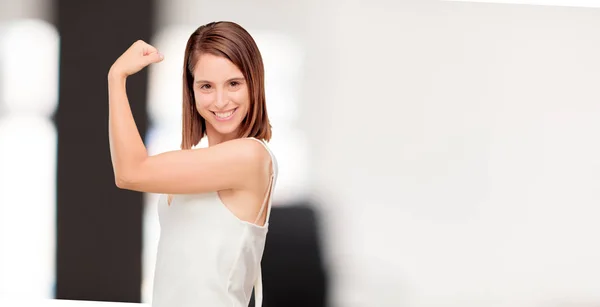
(215, 138)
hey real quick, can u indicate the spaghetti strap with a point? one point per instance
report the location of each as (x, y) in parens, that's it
(267, 202)
(268, 198)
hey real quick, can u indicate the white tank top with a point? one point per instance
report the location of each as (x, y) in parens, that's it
(206, 255)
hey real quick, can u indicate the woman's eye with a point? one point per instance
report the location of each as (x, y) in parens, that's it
(234, 83)
(205, 86)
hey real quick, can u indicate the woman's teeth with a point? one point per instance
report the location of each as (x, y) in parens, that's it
(224, 114)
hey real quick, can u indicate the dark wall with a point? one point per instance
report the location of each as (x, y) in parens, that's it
(99, 233)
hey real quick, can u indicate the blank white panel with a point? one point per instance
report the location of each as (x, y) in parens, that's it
(478, 184)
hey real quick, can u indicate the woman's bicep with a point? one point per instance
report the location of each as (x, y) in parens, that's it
(229, 165)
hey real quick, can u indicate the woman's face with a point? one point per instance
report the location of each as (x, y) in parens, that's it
(221, 93)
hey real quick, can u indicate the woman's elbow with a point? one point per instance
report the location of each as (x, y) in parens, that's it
(121, 182)
(124, 180)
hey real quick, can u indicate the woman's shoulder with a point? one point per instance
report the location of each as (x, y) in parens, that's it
(250, 149)
(263, 152)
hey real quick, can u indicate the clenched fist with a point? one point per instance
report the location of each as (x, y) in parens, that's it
(134, 59)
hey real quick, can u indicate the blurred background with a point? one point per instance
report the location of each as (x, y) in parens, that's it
(432, 153)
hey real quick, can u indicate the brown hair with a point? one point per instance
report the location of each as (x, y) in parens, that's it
(231, 41)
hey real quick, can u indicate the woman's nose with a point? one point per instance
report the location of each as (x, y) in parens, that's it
(221, 101)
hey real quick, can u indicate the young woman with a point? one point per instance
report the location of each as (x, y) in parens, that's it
(215, 203)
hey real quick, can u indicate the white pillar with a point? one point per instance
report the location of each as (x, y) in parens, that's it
(29, 95)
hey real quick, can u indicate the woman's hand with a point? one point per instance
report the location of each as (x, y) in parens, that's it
(134, 59)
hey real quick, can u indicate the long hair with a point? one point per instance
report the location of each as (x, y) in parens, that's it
(231, 41)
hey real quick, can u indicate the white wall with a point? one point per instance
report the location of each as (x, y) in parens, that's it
(27, 220)
(457, 153)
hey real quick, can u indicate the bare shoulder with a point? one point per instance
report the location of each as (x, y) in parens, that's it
(246, 149)
(250, 154)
